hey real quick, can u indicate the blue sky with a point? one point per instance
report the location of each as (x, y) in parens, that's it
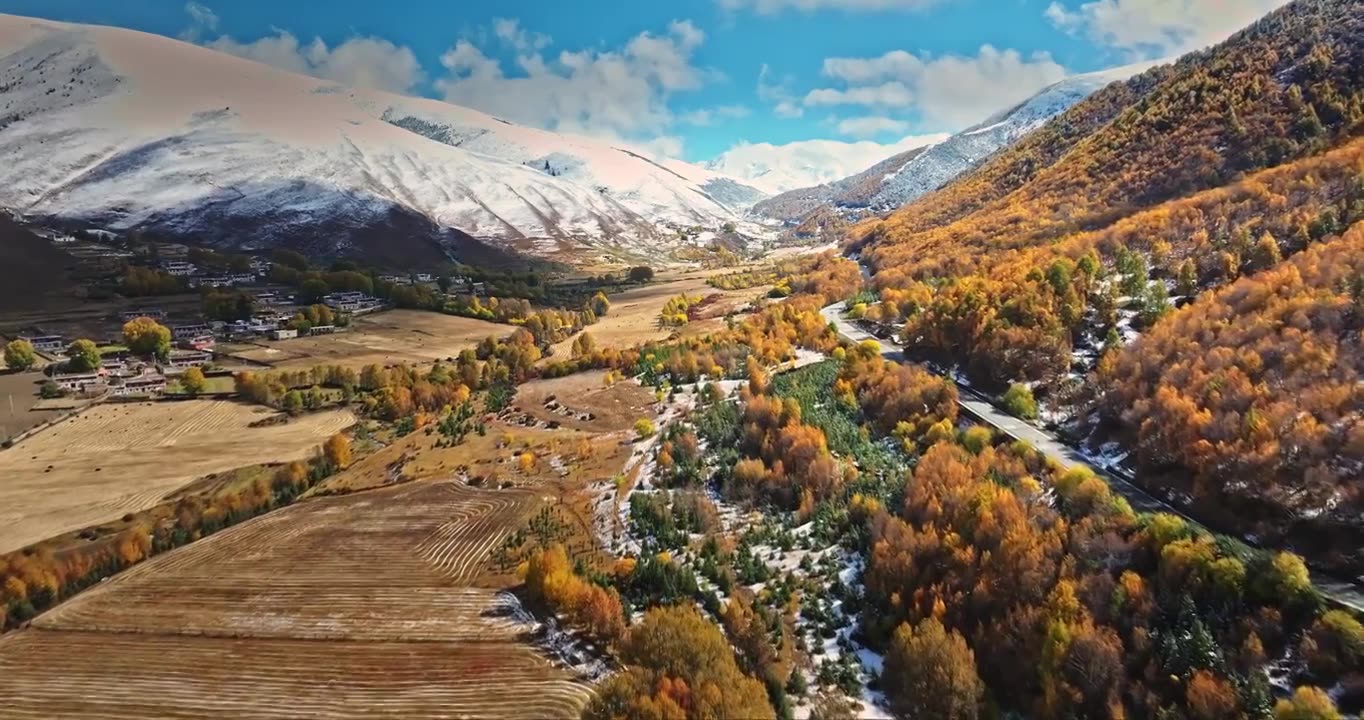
(694, 78)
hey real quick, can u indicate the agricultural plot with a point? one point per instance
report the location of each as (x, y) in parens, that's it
(356, 606)
(19, 409)
(633, 318)
(117, 458)
(387, 338)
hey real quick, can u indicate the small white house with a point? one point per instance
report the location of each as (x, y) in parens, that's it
(77, 382)
(143, 385)
(185, 332)
(45, 343)
(283, 334)
(188, 358)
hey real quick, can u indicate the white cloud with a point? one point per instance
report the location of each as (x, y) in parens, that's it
(778, 168)
(713, 116)
(887, 94)
(620, 93)
(950, 92)
(659, 148)
(201, 18)
(365, 62)
(1156, 28)
(769, 7)
(509, 31)
(871, 126)
(777, 92)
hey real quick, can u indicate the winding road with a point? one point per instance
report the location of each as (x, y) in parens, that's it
(1339, 592)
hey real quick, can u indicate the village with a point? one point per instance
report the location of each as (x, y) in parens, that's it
(64, 361)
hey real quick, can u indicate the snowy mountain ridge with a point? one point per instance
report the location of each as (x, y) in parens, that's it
(901, 178)
(125, 129)
(783, 168)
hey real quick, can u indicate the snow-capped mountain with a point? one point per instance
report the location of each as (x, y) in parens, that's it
(125, 129)
(901, 178)
(782, 168)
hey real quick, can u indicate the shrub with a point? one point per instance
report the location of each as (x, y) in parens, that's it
(1020, 403)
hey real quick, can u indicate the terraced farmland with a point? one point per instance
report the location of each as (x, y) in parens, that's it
(357, 606)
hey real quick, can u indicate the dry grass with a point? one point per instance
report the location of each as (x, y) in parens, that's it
(383, 603)
(117, 458)
(388, 338)
(19, 401)
(357, 606)
(569, 400)
(633, 318)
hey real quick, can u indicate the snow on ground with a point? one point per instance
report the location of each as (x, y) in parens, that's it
(831, 562)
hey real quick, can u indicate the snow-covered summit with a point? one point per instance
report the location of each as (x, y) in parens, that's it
(127, 129)
(904, 177)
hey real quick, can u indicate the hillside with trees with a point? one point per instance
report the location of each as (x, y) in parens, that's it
(1229, 176)
(1249, 400)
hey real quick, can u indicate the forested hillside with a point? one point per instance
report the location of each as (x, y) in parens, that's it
(1071, 252)
(1288, 87)
(1255, 388)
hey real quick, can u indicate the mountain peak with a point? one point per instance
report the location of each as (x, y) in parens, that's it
(124, 129)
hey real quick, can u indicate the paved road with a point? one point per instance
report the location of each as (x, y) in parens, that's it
(1340, 592)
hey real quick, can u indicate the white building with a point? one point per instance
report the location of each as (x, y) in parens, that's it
(148, 384)
(77, 382)
(187, 358)
(153, 313)
(283, 333)
(184, 332)
(45, 343)
(179, 268)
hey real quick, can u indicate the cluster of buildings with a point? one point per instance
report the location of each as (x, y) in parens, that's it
(117, 377)
(199, 278)
(355, 303)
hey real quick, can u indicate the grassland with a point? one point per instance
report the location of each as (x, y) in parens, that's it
(382, 594)
(117, 458)
(356, 606)
(387, 338)
(633, 318)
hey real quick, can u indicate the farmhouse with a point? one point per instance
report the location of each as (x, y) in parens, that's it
(45, 343)
(185, 332)
(199, 342)
(153, 313)
(147, 384)
(78, 382)
(283, 333)
(187, 358)
(346, 301)
(179, 268)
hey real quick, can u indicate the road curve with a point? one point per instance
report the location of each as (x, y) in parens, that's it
(1339, 592)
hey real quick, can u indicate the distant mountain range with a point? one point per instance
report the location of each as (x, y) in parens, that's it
(123, 129)
(901, 178)
(782, 168)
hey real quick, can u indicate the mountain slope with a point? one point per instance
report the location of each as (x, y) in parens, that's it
(905, 176)
(806, 163)
(1060, 261)
(126, 129)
